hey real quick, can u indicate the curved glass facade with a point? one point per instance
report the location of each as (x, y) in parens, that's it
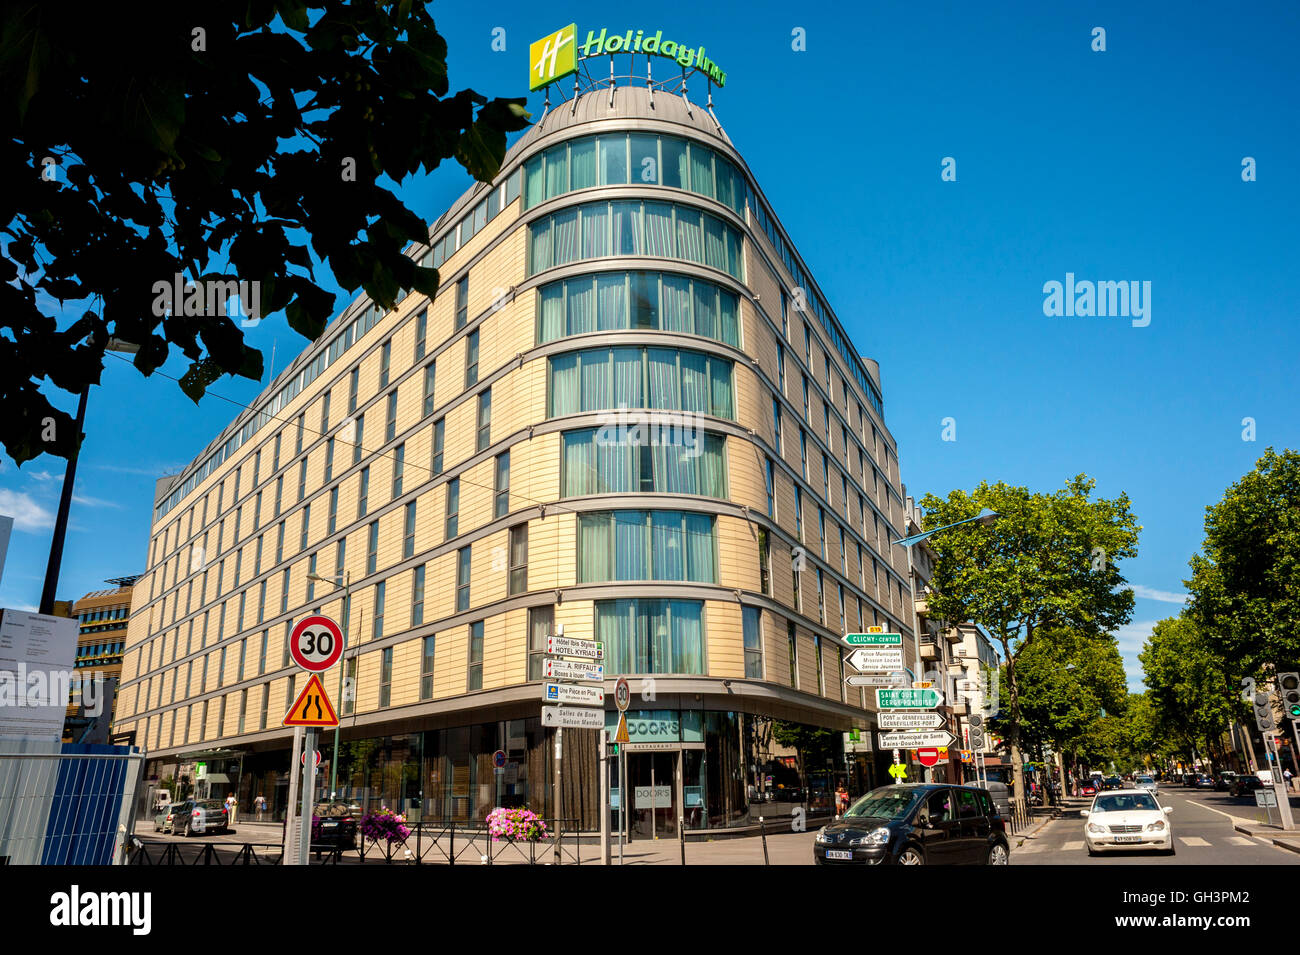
(644, 459)
(664, 230)
(633, 377)
(620, 159)
(646, 545)
(620, 301)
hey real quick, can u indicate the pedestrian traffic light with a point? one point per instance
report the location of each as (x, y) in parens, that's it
(1263, 712)
(976, 725)
(1289, 684)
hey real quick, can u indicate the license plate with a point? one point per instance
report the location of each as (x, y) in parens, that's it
(1128, 838)
(839, 854)
(330, 825)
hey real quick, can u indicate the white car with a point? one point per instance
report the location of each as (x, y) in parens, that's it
(1127, 819)
(1146, 782)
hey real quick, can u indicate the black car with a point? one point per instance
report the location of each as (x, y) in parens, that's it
(1200, 781)
(335, 824)
(1224, 780)
(1113, 782)
(1246, 784)
(917, 824)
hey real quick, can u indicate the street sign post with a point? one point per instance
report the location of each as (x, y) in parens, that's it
(874, 679)
(874, 639)
(876, 659)
(577, 694)
(564, 670)
(923, 699)
(927, 756)
(898, 720)
(577, 717)
(916, 740)
(572, 647)
(312, 708)
(316, 643)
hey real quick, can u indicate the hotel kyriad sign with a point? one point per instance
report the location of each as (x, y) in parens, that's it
(556, 56)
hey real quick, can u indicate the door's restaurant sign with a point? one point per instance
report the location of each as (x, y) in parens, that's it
(556, 56)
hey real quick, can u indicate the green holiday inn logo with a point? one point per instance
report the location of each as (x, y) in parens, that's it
(555, 56)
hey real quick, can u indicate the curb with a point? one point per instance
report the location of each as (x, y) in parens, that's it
(1279, 842)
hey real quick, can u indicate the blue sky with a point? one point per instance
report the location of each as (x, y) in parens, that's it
(1115, 165)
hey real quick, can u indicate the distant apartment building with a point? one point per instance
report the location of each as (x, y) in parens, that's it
(102, 617)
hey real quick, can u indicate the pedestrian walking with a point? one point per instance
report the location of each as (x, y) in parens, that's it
(841, 800)
(259, 804)
(1286, 775)
(231, 803)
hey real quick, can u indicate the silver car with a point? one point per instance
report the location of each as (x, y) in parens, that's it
(1147, 782)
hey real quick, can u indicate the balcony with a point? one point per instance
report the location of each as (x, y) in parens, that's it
(930, 649)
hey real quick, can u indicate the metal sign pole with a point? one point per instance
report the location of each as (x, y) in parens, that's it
(288, 856)
(1279, 787)
(308, 793)
(622, 800)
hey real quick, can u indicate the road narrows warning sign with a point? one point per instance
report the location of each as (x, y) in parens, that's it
(312, 708)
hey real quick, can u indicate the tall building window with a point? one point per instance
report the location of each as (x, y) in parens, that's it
(438, 430)
(621, 301)
(430, 373)
(329, 460)
(354, 379)
(399, 465)
(651, 636)
(333, 516)
(356, 445)
(408, 534)
(385, 676)
(649, 461)
(363, 493)
(794, 655)
(377, 617)
(350, 688)
(275, 456)
(462, 303)
(297, 447)
(764, 561)
(311, 584)
(518, 559)
(261, 656)
(462, 579)
(372, 547)
(427, 647)
(821, 531)
(279, 494)
(484, 420)
(541, 621)
(798, 513)
(390, 422)
(452, 527)
(417, 596)
(471, 358)
(475, 656)
(302, 479)
(753, 636)
(385, 360)
(821, 675)
(821, 596)
(243, 708)
(501, 495)
(601, 379)
(780, 367)
(306, 523)
(266, 705)
(340, 557)
(243, 652)
(421, 332)
(646, 545)
(776, 423)
(803, 452)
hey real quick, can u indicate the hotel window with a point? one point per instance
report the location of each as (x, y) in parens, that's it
(769, 483)
(821, 531)
(646, 460)
(257, 471)
(265, 706)
(221, 716)
(776, 423)
(475, 656)
(399, 464)
(780, 367)
(798, 513)
(332, 519)
(340, 557)
(243, 708)
(803, 452)
(350, 688)
(484, 420)
(839, 654)
(221, 669)
(620, 301)
(501, 495)
(438, 429)
(297, 448)
(372, 548)
(462, 303)
(807, 355)
(417, 596)
(284, 659)
(821, 596)
(843, 616)
(452, 526)
(329, 459)
(302, 479)
(753, 633)
(826, 423)
(651, 636)
(807, 414)
(385, 676)
(844, 554)
(471, 358)
(354, 379)
(626, 228)
(421, 332)
(518, 559)
(377, 617)
(385, 360)
(311, 584)
(765, 561)
(646, 545)
(243, 650)
(821, 675)
(462, 579)
(390, 421)
(363, 494)
(356, 444)
(261, 656)
(427, 648)
(541, 620)
(634, 377)
(288, 693)
(430, 374)
(306, 522)
(261, 602)
(279, 494)
(408, 536)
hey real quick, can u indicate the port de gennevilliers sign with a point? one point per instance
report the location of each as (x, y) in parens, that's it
(556, 56)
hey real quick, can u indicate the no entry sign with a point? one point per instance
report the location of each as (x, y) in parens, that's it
(316, 643)
(927, 756)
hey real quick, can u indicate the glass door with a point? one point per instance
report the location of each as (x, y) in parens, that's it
(652, 785)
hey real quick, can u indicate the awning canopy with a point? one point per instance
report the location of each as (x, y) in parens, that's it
(217, 778)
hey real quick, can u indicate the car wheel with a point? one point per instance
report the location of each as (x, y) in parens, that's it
(1171, 850)
(911, 856)
(998, 854)
(1092, 851)
(189, 829)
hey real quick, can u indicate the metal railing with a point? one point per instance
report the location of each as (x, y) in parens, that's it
(449, 842)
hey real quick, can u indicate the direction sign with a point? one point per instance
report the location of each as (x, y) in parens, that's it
(577, 717)
(900, 720)
(874, 639)
(916, 740)
(316, 643)
(927, 756)
(878, 659)
(573, 693)
(312, 708)
(622, 695)
(926, 699)
(564, 670)
(874, 679)
(572, 647)
(898, 770)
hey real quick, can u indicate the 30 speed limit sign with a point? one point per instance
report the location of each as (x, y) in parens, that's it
(316, 643)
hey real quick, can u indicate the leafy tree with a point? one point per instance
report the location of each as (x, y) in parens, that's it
(1050, 561)
(1246, 586)
(232, 141)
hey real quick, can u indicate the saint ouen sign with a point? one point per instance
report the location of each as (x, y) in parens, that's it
(557, 55)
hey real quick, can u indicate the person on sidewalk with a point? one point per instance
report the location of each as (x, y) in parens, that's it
(1286, 776)
(231, 803)
(259, 804)
(841, 800)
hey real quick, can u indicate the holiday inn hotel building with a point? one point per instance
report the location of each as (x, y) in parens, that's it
(628, 415)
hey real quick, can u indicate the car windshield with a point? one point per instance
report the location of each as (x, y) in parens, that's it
(888, 802)
(1145, 780)
(1125, 802)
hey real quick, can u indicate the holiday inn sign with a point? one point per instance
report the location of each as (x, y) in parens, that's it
(557, 55)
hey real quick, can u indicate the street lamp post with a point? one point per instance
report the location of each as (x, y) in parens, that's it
(347, 612)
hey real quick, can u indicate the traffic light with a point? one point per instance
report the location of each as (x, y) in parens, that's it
(1263, 712)
(1289, 684)
(975, 723)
